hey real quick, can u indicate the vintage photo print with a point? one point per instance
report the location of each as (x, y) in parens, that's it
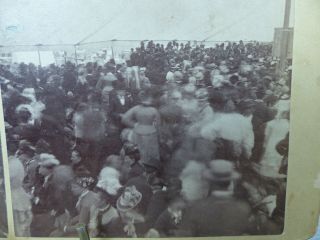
(147, 118)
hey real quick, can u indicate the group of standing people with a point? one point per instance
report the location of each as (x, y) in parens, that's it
(180, 140)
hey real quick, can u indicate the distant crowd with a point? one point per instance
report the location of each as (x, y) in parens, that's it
(180, 140)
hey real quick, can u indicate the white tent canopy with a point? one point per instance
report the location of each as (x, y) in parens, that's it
(46, 57)
(70, 21)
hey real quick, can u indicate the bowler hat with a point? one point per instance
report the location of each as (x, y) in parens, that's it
(221, 171)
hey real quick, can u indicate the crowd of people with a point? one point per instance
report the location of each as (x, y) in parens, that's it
(180, 140)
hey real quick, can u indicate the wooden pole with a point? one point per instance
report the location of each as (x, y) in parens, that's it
(75, 54)
(287, 14)
(39, 56)
(284, 38)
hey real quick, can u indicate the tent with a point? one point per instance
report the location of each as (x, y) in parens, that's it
(46, 57)
(51, 22)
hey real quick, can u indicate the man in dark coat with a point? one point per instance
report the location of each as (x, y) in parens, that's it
(119, 103)
(221, 214)
(51, 199)
(69, 80)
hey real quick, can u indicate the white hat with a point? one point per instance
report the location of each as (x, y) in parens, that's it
(109, 180)
(48, 160)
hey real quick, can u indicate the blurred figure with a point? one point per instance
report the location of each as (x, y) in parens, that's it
(144, 119)
(221, 214)
(22, 214)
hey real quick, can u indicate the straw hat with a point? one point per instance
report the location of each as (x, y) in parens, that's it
(129, 199)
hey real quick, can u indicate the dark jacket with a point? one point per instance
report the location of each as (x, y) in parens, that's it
(217, 216)
(166, 225)
(116, 108)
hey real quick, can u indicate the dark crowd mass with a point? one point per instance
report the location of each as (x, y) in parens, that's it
(180, 140)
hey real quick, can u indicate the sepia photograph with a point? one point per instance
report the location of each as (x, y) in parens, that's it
(139, 118)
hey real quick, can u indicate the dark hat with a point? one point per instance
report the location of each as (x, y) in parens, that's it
(234, 78)
(221, 171)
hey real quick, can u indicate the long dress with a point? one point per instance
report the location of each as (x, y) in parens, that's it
(144, 120)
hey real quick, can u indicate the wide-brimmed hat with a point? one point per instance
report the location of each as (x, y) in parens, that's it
(221, 171)
(109, 180)
(48, 160)
(129, 199)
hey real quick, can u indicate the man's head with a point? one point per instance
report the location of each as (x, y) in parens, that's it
(25, 147)
(175, 97)
(221, 173)
(47, 164)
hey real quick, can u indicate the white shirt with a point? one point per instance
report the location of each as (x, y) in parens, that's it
(122, 100)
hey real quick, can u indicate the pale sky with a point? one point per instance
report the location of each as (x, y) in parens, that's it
(69, 21)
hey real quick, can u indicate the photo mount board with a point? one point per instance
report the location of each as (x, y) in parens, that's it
(302, 202)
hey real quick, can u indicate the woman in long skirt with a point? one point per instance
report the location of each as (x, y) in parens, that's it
(144, 119)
